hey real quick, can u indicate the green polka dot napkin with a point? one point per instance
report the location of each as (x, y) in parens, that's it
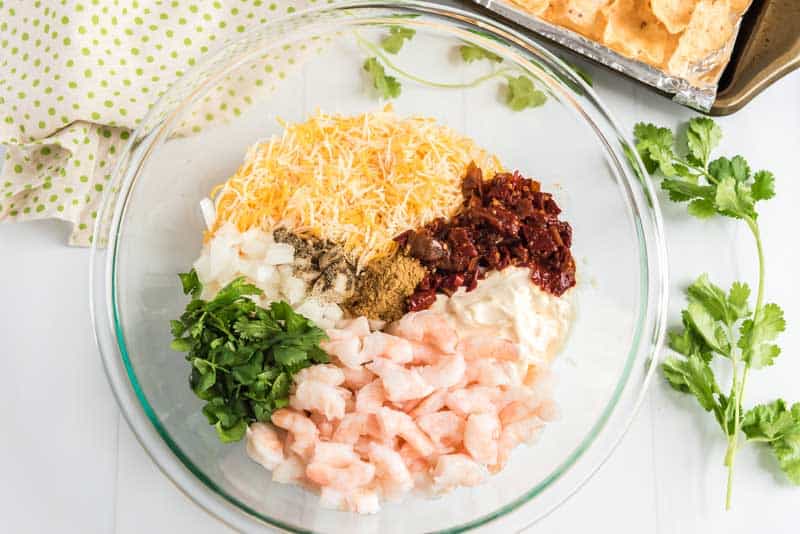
(77, 75)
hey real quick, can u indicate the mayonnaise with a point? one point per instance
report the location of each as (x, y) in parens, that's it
(508, 304)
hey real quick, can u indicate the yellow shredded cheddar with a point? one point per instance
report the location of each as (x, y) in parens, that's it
(356, 180)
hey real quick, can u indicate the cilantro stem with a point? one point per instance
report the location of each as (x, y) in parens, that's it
(370, 47)
(737, 389)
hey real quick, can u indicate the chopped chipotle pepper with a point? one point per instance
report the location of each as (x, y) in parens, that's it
(503, 221)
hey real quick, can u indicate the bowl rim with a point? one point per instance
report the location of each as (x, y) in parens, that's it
(157, 442)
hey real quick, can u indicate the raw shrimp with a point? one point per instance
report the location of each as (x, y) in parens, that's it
(426, 327)
(357, 378)
(390, 470)
(304, 432)
(445, 428)
(473, 399)
(320, 397)
(325, 372)
(479, 347)
(399, 383)
(370, 397)
(430, 404)
(390, 347)
(393, 422)
(264, 445)
(480, 437)
(454, 470)
(445, 373)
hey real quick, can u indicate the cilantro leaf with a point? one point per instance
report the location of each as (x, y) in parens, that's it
(654, 145)
(692, 375)
(733, 199)
(763, 186)
(470, 53)
(779, 427)
(387, 86)
(191, 283)
(710, 330)
(522, 94)
(702, 136)
(756, 335)
(243, 356)
(397, 36)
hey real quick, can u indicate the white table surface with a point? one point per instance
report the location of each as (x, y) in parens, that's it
(69, 463)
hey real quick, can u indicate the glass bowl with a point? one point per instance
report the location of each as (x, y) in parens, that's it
(197, 134)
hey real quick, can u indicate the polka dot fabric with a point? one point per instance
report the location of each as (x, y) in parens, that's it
(77, 75)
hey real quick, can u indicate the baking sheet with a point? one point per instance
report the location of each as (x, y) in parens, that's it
(684, 92)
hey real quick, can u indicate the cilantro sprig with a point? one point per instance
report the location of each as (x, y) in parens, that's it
(520, 90)
(242, 356)
(719, 325)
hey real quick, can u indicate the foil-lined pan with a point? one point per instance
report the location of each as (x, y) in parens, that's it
(764, 46)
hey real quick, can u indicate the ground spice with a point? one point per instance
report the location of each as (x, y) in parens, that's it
(383, 287)
(321, 265)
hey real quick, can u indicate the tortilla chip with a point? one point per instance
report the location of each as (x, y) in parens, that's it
(534, 7)
(673, 14)
(740, 6)
(633, 31)
(705, 40)
(583, 16)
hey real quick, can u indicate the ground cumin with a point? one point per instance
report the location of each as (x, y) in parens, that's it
(383, 286)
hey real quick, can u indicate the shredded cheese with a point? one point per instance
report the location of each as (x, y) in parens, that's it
(358, 180)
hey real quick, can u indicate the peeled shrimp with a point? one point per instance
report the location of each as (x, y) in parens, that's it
(291, 470)
(479, 347)
(430, 404)
(325, 372)
(391, 470)
(320, 397)
(347, 348)
(445, 428)
(359, 326)
(370, 397)
(422, 353)
(426, 327)
(454, 470)
(304, 432)
(481, 434)
(358, 377)
(390, 347)
(264, 445)
(473, 399)
(324, 425)
(513, 434)
(493, 373)
(345, 478)
(446, 372)
(400, 383)
(351, 427)
(393, 422)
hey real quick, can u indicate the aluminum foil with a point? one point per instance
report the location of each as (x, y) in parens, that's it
(700, 97)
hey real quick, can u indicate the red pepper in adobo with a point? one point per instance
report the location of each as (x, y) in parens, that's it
(502, 222)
